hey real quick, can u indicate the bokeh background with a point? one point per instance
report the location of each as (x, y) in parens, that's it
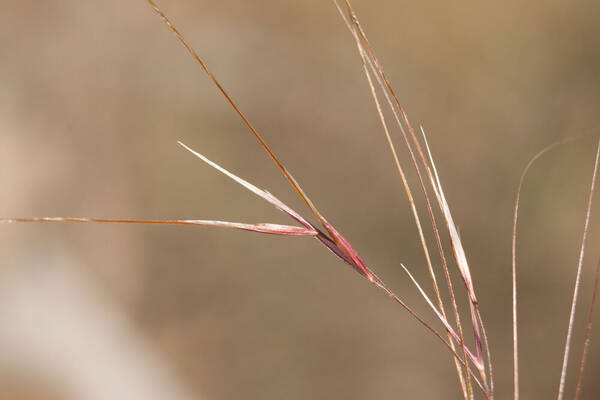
(94, 96)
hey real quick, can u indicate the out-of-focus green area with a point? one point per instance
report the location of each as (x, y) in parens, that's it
(94, 96)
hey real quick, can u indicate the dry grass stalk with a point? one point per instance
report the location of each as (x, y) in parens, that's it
(366, 60)
(563, 373)
(588, 333)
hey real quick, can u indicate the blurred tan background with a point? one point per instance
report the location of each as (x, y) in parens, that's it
(94, 96)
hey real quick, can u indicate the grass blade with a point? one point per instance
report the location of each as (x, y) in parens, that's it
(273, 229)
(588, 332)
(563, 374)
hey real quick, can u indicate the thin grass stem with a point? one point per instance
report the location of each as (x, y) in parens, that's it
(563, 374)
(514, 262)
(588, 332)
(406, 189)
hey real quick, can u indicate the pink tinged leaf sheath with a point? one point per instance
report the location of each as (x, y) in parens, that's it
(357, 263)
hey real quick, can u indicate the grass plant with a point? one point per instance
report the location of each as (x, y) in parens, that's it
(473, 364)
